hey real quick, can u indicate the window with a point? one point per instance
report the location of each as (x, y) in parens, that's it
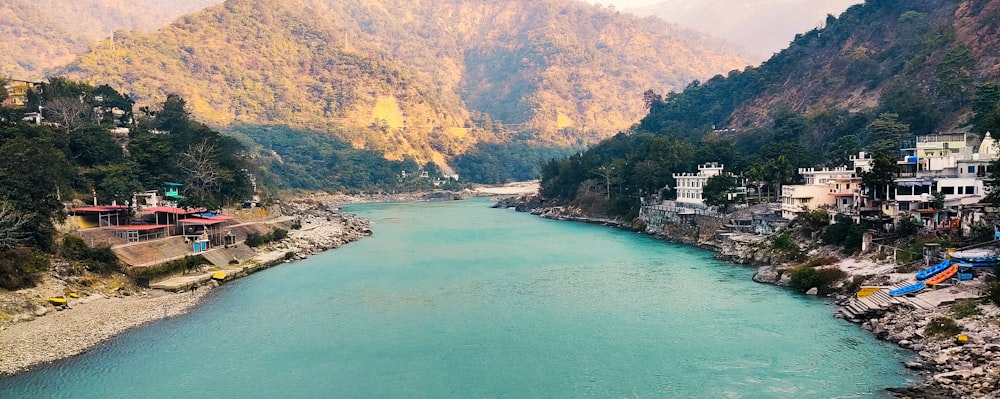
(947, 190)
(961, 191)
(972, 169)
(970, 190)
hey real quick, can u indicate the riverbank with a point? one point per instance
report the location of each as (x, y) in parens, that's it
(44, 333)
(949, 368)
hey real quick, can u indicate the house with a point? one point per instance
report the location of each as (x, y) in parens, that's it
(689, 186)
(947, 164)
(17, 92)
(837, 188)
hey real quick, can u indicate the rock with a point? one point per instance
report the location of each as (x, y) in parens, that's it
(914, 365)
(951, 376)
(41, 311)
(813, 291)
(766, 275)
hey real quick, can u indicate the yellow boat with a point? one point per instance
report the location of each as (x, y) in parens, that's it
(57, 300)
(73, 295)
(219, 276)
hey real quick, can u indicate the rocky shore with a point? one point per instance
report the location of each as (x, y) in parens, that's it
(950, 368)
(44, 333)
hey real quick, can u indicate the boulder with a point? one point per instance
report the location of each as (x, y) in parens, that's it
(813, 291)
(766, 275)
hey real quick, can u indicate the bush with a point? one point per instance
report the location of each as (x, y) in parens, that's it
(289, 255)
(187, 263)
(814, 220)
(845, 233)
(808, 277)
(784, 243)
(965, 309)
(993, 293)
(279, 234)
(100, 260)
(942, 326)
(20, 267)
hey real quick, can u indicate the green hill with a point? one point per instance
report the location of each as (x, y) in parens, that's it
(880, 72)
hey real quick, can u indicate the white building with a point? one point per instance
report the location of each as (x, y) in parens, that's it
(690, 185)
(946, 164)
(837, 187)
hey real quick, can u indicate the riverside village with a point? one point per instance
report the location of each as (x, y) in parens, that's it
(913, 261)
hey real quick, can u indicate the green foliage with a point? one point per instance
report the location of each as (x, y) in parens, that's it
(942, 326)
(20, 267)
(881, 178)
(845, 233)
(963, 309)
(256, 240)
(99, 260)
(717, 190)
(144, 275)
(784, 243)
(993, 292)
(297, 159)
(814, 220)
(502, 163)
(806, 278)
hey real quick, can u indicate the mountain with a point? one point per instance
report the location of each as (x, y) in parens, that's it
(411, 77)
(763, 27)
(42, 34)
(878, 74)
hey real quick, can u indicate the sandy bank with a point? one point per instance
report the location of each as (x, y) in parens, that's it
(44, 333)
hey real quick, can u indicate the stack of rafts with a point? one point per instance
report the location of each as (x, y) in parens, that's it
(959, 264)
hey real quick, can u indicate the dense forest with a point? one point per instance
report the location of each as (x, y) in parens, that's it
(921, 71)
(93, 148)
(411, 79)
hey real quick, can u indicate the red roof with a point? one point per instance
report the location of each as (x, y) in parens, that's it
(200, 221)
(168, 209)
(139, 227)
(107, 208)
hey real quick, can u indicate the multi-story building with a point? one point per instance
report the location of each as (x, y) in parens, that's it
(839, 188)
(690, 185)
(946, 164)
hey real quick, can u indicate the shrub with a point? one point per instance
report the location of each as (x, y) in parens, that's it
(993, 293)
(19, 267)
(100, 260)
(814, 220)
(144, 275)
(845, 233)
(942, 326)
(784, 243)
(965, 309)
(279, 234)
(808, 277)
(289, 255)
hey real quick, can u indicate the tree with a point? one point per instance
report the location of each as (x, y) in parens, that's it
(877, 182)
(201, 169)
(886, 132)
(69, 112)
(12, 224)
(954, 74)
(717, 190)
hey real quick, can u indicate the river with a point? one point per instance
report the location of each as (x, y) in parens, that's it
(457, 300)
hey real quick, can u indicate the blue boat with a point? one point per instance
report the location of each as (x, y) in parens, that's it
(931, 271)
(908, 289)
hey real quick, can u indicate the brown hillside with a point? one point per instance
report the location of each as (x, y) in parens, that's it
(409, 76)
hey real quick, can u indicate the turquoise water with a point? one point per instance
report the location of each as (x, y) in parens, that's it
(456, 300)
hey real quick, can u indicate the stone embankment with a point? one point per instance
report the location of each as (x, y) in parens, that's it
(949, 368)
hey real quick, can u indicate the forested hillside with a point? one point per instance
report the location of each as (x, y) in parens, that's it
(879, 73)
(42, 34)
(412, 78)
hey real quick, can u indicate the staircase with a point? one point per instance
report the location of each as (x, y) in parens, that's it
(857, 309)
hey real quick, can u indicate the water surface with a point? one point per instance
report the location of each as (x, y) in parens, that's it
(456, 300)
